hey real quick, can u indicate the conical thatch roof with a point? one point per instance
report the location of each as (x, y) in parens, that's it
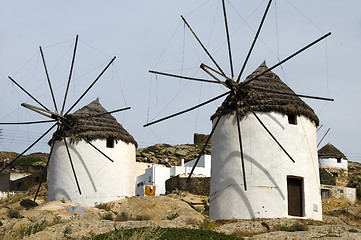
(99, 127)
(330, 151)
(262, 101)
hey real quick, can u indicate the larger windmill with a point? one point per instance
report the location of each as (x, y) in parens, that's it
(88, 150)
(264, 154)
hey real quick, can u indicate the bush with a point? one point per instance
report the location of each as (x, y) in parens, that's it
(14, 214)
(355, 182)
(208, 226)
(104, 206)
(33, 228)
(107, 216)
(142, 217)
(264, 224)
(29, 229)
(124, 216)
(293, 228)
(172, 216)
(26, 161)
(298, 227)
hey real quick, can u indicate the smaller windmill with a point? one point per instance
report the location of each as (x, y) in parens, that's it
(67, 128)
(333, 159)
(238, 148)
(110, 141)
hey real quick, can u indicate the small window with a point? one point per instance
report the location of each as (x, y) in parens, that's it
(292, 119)
(150, 179)
(341, 190)
(339, 160)
(110, 142)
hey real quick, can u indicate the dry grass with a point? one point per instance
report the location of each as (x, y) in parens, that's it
(107, 216)
(208, 225)
(104, 206)
(145, 234)
(123, 216)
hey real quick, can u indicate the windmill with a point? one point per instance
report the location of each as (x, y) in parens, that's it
(69, 127)
(233, 148)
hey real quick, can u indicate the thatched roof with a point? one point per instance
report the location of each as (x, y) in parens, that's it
(93, 127)
(330, 151)
(262, 101)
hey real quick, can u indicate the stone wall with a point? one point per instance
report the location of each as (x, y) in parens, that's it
(25, 183)
(200, 139)
(326, 177)
(196, 185)
(337, 192)
(340, 175)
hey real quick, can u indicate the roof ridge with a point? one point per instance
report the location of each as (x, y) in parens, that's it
(330, 151)
(260, 100)
(87, 122)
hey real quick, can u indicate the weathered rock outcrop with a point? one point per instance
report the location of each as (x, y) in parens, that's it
(67, 220)
(164, 153)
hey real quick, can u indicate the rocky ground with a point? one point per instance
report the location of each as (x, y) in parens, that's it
(67, 220)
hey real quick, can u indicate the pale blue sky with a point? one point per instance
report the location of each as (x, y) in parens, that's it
(140, 34)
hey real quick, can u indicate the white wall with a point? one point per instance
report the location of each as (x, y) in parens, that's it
(15, 176)
(266, 167)
(158, 174)
(332, 162)
(203, 167)
(338, 192)
(140, 167)
(4, 195)
(140, 183)
(100, 180)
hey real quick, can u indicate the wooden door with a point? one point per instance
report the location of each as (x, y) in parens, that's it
(294, 190)
(325, 193)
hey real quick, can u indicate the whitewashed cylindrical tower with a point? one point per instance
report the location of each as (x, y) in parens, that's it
(100, 180)
(276, 186)
(330, 157)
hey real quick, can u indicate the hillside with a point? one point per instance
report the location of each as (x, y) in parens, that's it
(156, 153)
(174, 154)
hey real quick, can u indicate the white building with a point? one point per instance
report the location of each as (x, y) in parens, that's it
(99, 179)
(334, 174)
(330, 157)
(158, 174)
(276, 186)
